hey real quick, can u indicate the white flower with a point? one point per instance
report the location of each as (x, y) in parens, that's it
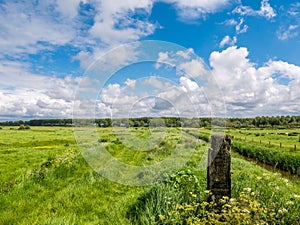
(289, 203)
(227, 205)
(245, 211)
(296, 196)
(283, 210)
(247, 189)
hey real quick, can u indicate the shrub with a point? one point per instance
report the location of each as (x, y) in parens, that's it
(66, 160)
(23, 127)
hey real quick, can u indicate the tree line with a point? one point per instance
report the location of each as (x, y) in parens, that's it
(257, 122)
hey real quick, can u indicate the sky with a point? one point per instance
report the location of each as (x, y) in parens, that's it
(129, 58)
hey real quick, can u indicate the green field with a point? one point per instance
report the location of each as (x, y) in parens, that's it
(270, 137)
(276, 148)
(45, 180)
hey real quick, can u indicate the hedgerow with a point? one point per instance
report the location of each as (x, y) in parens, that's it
(283, 159)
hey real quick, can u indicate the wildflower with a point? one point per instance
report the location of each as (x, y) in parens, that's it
(231, 200)
(247, 189)
(227, 205)
(289, 203)
(161, 217)
(282, 211)
(225, 198)
(296, 196)
(245, 211)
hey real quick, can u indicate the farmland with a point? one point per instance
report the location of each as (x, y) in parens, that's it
(45, 179)
(277, 148)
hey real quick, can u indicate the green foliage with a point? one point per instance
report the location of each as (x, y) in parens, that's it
(285, 160)
(269, 199)
(245, 209)
(258, 122)
(23, 127)
(199, 134)
(164, 197)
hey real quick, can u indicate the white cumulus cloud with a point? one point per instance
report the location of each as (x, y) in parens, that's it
(265, 10)
(228, 41)
(250, 91)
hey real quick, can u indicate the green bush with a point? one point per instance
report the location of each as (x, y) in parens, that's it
(23, 127)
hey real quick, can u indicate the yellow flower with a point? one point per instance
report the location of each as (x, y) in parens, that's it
(161, 217)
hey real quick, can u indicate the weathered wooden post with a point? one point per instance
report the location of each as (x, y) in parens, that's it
(219, 167)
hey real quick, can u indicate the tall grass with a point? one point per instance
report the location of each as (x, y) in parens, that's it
(283, 159)
(258, 197)
(57, 186)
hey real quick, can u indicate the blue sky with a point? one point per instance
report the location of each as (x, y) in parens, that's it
(49, 50)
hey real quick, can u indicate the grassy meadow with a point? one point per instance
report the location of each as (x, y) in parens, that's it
(44, 179)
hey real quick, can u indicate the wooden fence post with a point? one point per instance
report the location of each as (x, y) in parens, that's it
(219, 167)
